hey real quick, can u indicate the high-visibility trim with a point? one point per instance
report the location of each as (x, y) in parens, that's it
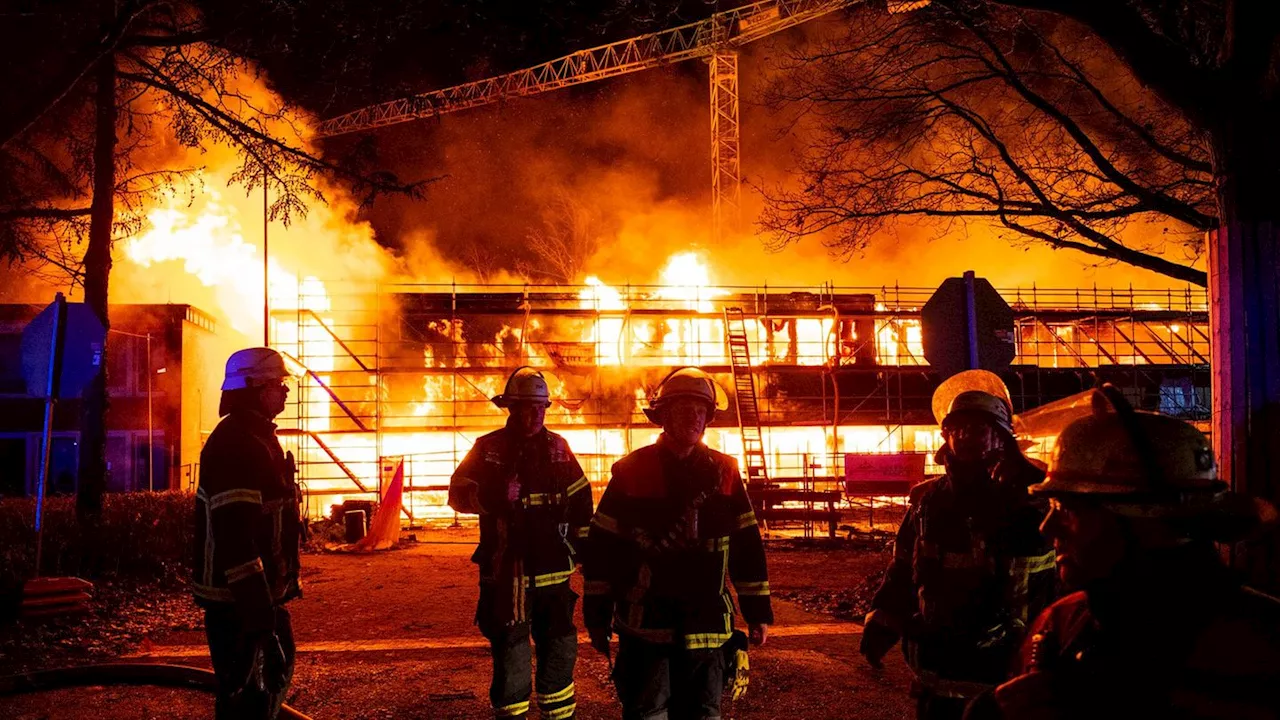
(1031, 564)
(582, 532)
(244, 570)
(577, 485)
(512, 710)
(557, 696)
(228, 497)
(209, 592)
(560, 713)
(606, 523)
(719, 544)
(745, 520)
(207, 576)
(706, 641)
(275, 510)
(548, 579)
(221, 594)
(540, 499)
(753, 588)
(724, 572)
(597, 587)
(1020, 571)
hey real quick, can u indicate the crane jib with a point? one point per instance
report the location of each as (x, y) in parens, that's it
(723, 31)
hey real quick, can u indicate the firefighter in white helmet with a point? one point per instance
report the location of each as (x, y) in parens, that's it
(673, 528)
(534, 504)
(1158, 625)
(247, 537)
(970, 568)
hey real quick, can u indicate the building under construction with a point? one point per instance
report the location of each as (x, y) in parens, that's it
(401, 377)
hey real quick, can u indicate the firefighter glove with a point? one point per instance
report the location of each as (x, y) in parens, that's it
(876, 642)
(739, 675)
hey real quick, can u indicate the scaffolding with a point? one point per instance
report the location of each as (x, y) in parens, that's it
(408, 370)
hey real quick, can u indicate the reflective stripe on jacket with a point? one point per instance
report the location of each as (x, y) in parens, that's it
(248, 524)
(668, 537)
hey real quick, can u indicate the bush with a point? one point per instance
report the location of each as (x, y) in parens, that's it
(144, 536)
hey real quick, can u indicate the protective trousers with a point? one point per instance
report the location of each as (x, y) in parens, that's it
(658, 681)
(232, 652)
(550, 612)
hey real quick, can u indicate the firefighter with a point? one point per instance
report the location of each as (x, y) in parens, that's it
(1158, 626)
(970, 568)
(247, 537)
(673, 521)
(534, 504)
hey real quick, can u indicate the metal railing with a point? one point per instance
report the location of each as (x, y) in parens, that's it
(421, 361)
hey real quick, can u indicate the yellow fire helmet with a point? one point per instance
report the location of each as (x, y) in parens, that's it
(686, 382)
(1139, 464)
(974, 391)
(524, 385)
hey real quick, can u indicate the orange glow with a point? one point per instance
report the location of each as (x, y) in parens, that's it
(207, 250)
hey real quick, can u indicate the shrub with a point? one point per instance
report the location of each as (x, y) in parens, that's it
(144, 536)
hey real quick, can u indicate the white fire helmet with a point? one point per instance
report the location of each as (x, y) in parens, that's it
(524, 385)
(978, 391)
(254, 367)
(686, 382)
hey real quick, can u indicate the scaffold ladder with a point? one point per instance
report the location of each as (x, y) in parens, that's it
(744, 385)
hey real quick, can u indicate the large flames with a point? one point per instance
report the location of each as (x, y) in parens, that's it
(348, 416)
(207, 245)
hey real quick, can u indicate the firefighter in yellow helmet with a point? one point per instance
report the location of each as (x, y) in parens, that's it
(674, 527)
(1158, 625)
(247, 535)
(534, 504)
(970, 568)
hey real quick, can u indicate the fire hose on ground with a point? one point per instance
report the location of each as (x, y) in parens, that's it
(158, 674)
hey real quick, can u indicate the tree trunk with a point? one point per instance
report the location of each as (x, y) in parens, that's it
(1244, 286)
(97, 271)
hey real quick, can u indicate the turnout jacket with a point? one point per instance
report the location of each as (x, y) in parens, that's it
(531, 542)
(248, 526)
(667, 537)
(1179, 638)
(969, 572)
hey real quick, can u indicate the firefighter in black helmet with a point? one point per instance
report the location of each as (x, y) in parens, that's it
(970, 568)
(1158, 625)
(247, 536)
(673, 528)
(534, 504)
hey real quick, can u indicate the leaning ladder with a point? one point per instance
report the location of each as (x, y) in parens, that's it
(744, 386)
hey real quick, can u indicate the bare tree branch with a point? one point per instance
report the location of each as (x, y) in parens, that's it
(934, 116)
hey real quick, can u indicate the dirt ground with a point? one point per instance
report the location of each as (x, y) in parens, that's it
(390, 636)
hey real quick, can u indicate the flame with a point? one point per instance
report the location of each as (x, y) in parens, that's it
(607, 333)
(693, 341)
(202, 244)
(211, 247)
(686, 277)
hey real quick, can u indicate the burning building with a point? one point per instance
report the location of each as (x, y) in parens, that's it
(404, 373)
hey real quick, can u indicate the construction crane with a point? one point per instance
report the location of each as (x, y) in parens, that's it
(715, 39)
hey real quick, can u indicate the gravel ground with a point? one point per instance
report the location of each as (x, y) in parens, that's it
(390, 636)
